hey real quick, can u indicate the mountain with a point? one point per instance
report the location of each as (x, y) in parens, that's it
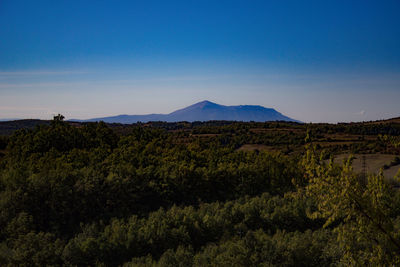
(10, 119)
(204, 111)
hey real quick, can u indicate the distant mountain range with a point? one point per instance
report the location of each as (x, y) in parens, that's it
(9, 119)
(203, 111)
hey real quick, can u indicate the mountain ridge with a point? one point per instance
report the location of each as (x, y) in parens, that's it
(203, 111)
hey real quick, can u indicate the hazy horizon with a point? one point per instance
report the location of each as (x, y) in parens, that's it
(332, 61)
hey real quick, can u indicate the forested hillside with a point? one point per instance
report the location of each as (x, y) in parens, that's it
(197, 194)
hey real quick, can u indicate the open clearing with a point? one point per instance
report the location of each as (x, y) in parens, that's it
(253, 147)
(374, 162)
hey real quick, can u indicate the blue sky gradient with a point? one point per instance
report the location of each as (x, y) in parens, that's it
(319, 61)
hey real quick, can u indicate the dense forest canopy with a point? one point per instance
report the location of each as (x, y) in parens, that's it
(197, 194)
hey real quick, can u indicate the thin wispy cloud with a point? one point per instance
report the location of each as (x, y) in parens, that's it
(361, 113)
(41, 85)
(39, 73)
(18, 108)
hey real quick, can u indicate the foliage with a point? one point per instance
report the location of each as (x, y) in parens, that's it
(361, 209)
(182, 194)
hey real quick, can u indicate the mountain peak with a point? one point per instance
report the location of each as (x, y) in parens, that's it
(206, 111)
(204, 103)
(198, 106)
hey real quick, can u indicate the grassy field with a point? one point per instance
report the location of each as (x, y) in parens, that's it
(374, 162)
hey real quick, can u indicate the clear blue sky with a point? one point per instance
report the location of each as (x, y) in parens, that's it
(311, 60)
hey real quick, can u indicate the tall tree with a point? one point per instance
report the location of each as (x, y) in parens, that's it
(361, 210)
